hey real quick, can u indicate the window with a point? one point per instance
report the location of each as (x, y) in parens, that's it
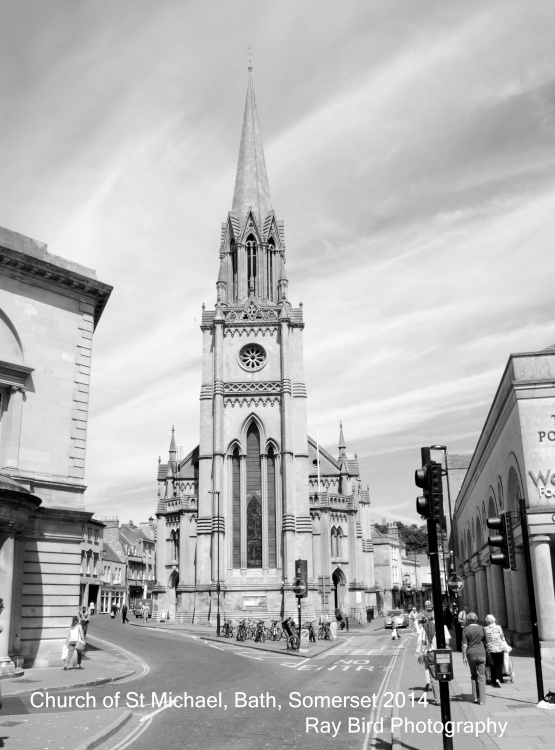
(254, 502)
(174, 546)
(251, 264)
(252, 357)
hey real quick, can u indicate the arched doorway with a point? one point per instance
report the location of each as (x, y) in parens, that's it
(339, 591)
(172, 595)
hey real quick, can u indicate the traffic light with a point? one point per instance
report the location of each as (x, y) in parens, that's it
(301, 571)
(503, 540)
(429, 478)
(436, 489)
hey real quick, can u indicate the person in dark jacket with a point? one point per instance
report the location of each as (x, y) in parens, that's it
(474, 655)
(124, 614)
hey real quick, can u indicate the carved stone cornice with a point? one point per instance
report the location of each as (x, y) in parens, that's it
(33, 264)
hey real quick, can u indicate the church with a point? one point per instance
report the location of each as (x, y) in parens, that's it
(258, 494)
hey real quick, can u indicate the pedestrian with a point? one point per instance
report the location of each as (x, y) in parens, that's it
(421, 653)
(339, 618)
(124, 614)
(146, 612)
(463, 614)
(495, 647)
(75, 641)
(413, 617)
(394, 631)
(84, 621)
(474, 655)
(426, 646)
(448, 617)
(113, 610)
(91, 608)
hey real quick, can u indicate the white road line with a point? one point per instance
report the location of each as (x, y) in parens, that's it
(142, 664)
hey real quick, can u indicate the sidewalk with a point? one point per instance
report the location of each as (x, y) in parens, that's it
(510, 719)
(208, 633)
(30, 729)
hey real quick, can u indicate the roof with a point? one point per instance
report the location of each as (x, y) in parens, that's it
(113, 555)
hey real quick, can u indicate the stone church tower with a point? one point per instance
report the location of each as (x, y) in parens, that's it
(245, 505)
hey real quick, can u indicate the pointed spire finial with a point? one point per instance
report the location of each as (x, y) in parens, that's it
(342, 445)
(250, 55)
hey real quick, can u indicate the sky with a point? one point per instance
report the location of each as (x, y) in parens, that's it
(410, 154)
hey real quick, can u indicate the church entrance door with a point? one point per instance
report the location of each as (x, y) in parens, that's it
(172, 595)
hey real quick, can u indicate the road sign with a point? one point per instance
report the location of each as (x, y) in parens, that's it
(299, 587)
(455, 584)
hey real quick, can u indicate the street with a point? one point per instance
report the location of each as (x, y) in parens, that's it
(200, 693)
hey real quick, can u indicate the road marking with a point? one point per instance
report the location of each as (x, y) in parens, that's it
(142, 664)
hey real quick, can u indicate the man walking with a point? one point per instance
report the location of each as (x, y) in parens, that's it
(124, 614)
(84, 620)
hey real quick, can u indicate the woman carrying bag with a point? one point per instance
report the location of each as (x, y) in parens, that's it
(495, 646)
(75, 642)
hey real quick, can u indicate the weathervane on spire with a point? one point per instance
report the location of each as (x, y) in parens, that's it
(250, 55)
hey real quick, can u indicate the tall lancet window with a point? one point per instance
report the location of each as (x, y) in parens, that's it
(251, 263)
(271, 494)
(233, 251)
(254, 499)
(270, 269)
(236, 501)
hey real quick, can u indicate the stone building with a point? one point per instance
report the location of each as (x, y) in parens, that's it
(92, 549)
(514, 459)
(114, 580)
(49, 309)
(136, 546)
(257, 494)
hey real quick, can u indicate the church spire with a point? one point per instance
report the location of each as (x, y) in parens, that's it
(251, 182)
(342, 445)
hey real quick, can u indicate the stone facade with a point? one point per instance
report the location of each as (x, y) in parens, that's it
(513, 459)
(49, 308)
(257, 494)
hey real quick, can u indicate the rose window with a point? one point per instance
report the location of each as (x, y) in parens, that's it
(252, 357)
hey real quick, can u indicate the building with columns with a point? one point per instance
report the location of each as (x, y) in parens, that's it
(514, 459)
(257, 493)
(49, 309)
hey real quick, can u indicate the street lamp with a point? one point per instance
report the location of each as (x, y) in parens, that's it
(217, 492)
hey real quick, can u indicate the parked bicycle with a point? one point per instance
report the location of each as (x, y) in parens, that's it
(259, 635)
(274, 632)
(227, 630)
(292, 636)
(242, 631)
(309, 627)
(324, 632)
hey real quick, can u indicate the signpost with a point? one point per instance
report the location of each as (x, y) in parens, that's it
(455, 584)
(299, 589)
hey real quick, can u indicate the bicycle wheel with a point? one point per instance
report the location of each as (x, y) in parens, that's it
(268, 634)
(321, 633)
(277, 634)
(230, 632)
(250, 633)
(293, 642)
(241, 633)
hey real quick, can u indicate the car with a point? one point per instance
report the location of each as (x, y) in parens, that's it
(401, 618)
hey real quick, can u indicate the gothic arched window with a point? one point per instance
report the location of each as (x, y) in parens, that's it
(236, 502)
(270, 270)
(271, 495)
(251, 263)
(233, 250)
(254, 483)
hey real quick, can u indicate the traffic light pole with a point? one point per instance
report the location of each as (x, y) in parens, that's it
(440, 631)
(531, 598)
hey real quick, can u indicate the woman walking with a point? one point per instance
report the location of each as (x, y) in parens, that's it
(474, 655)
(495, 646)
(75, 634)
